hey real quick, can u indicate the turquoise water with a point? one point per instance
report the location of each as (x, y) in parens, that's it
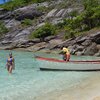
(27, 82)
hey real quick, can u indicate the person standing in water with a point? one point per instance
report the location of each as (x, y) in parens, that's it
(66, 54)
(10, 63)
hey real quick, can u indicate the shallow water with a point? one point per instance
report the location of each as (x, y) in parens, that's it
(27, 82)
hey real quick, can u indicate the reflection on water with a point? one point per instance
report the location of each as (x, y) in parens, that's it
(27, 81)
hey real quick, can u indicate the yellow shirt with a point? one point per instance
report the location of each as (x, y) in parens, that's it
(66, 50)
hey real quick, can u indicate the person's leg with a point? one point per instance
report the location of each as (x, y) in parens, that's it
(64, 57)
(68, 57)
(10, 69)
(7, 67)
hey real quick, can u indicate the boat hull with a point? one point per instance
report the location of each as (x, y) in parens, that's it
(71, 68)
(71, 65)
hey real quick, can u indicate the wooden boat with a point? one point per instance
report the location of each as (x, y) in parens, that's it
(89, 65)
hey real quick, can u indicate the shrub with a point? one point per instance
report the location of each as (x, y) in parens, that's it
(88, 4)
(44, 8)
(73, 13)
(13, 4)
(96, 16)
(27, 22)
(3, 29)
(44, 31)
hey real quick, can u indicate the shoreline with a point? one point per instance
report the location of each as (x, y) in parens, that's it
(40, 51)
(87, 90)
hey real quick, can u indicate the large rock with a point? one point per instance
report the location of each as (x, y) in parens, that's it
(8, 38)
(98, 46)
(23, 35)
(51, 13)
(81, 39)
(53, 43)
(62, 13)
(72, 49)
(87, 43)
(6, 15)
(95, 37)
(10, 24)
(28, 12)
(37, 47)
(79, 53)
(55, 21)
(19, 36)
(27, 43)
(49, 38)
(6, 42)
(66, 43)
(91, 50)
(59, 13)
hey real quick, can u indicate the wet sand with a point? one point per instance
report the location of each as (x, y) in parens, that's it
(89, 89)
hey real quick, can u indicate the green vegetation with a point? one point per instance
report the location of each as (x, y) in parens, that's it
(73, 26)
(26, 22)
(44, 31)
(3, 29)
(88, 19)
(76, 24)
(45, 9)
(67, 4)
(13, 4)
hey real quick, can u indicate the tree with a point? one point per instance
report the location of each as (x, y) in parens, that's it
(88, 4)
(96, 16)
(44, 31)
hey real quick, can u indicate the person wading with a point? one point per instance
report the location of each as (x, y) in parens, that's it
(66, 54)
(10, 63)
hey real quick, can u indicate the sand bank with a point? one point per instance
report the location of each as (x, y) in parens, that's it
(89, 89)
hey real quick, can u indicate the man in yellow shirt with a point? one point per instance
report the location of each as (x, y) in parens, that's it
(66, 53)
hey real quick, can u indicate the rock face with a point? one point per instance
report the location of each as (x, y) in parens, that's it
(4, 14)
(28, 12)
(86, 45)
(77, 46)
(18, 36)
(62, 12)
(10, 24)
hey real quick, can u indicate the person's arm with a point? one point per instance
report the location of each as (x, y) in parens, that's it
(13, 63)
(6, 63)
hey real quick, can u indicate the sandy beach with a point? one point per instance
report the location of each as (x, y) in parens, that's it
(89, 89)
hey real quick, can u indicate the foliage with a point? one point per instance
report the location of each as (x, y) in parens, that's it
(44, 8)
(38, 1)
(66, 4)
(44, 31)
(96, 16)
(73, 13)
(88, 19)
(69, 32)
(88, 4)
(3, 29)
(27, 22)
(13, 4)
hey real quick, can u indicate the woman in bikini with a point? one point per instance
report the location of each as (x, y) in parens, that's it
(10, 63)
